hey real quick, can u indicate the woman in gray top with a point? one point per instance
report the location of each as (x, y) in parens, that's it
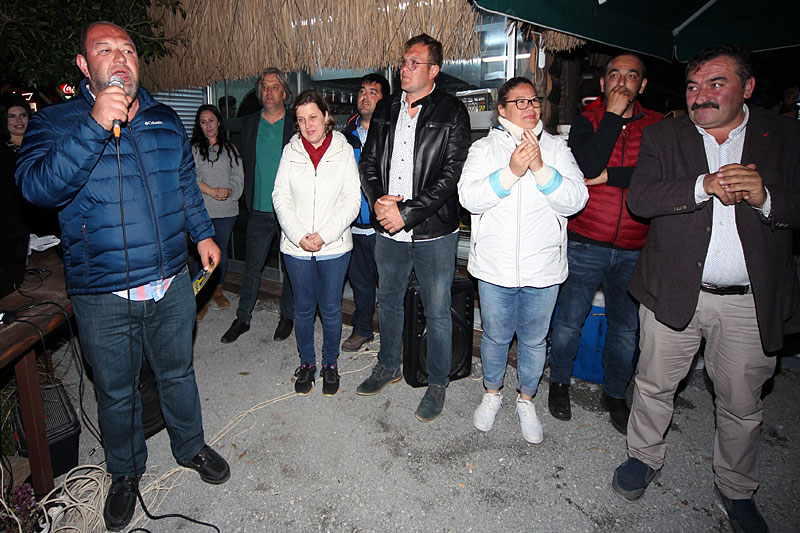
(221, 178)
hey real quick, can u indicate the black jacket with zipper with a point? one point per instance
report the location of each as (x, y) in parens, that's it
(440, 148)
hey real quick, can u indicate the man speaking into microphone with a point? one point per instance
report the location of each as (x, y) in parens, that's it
(123, 229)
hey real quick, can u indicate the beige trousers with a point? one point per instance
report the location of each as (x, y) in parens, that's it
(738, 368)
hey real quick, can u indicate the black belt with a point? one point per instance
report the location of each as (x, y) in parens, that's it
(725, 291)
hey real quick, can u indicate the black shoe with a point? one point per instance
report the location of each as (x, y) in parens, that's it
(631, 479)
(432, 403)
(237, 328)
(380, 377)
(330, 380)
(619, 410)
(120, 503)
(558, 401)
(744, 515)
(305, 379)
(210, 465)
(284, 329)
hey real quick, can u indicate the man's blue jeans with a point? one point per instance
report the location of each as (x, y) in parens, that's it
(434, 263)
(317, 283)
(262, 227)
(163, 332)
(525, 311)
(589, 266)
(364, 281)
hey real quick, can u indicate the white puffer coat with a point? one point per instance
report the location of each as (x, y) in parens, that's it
(519, 237)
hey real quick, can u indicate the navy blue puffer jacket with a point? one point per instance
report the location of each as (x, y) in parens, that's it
(69, 161)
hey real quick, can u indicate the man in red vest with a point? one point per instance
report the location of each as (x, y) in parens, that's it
(604, 239)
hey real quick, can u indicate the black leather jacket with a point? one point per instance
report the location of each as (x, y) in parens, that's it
(440, 148)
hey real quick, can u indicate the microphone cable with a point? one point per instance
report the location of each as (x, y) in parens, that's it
(132, 360)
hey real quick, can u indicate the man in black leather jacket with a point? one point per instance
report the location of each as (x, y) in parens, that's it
(410, 167)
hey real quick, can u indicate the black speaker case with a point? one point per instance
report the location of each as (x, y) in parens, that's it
(62, 428)
(415, 370)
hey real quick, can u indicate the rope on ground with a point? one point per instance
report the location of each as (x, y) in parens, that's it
(76, 504)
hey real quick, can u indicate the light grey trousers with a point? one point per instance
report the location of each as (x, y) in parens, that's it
(737, 366)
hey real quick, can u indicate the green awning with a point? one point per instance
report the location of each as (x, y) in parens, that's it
(665, 29)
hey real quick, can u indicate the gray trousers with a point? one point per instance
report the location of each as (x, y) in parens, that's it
(736, 365)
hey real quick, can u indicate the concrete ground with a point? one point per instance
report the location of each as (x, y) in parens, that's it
(363, 464)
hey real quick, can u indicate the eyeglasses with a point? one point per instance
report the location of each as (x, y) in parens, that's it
(411, 64)
(523, 103)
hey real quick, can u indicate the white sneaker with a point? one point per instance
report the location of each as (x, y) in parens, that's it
(528, 421)
(483, 419)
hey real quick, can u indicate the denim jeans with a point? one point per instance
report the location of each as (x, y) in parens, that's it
(162, 331)
(589, 266)
(317, 283)
(363, 276)
(223, 227)
(434, 263)
(525, 311)
(262, 227)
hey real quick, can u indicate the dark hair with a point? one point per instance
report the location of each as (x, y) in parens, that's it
(311, 96)
(373, 78)
(435, 54)
(513, 83)
(282, 79)
(740, 54)
(201, 141)
(7, 101)
(229, 102)
(85, 33)
(637, 56)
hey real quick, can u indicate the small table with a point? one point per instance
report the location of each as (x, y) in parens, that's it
(18, 342)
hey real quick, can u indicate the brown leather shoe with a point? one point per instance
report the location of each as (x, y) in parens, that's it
(354, 342)
(220, 299)
(201, 312)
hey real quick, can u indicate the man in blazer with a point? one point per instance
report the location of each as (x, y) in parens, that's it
(720, 186)
(264, 134)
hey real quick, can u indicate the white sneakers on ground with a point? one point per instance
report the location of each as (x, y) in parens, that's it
(483, 419)
(528, 421)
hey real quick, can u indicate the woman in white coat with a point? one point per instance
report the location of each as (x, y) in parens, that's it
(316, 196)
(520, 183)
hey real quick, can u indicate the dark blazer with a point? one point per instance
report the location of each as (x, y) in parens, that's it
(249, 139)
(667, 277)
(441, 144)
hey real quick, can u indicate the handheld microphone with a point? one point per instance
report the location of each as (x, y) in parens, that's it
(116, 81)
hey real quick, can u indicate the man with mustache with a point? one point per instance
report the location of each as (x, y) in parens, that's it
(124, 234)
(720, 187)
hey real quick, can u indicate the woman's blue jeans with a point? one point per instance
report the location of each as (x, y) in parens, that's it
(223, 227)
(525, 311)
(315, 284)
(162, 331)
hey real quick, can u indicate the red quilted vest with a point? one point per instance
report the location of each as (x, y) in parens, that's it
(606, 217)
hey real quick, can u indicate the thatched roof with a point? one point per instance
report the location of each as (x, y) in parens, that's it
(235, 39)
